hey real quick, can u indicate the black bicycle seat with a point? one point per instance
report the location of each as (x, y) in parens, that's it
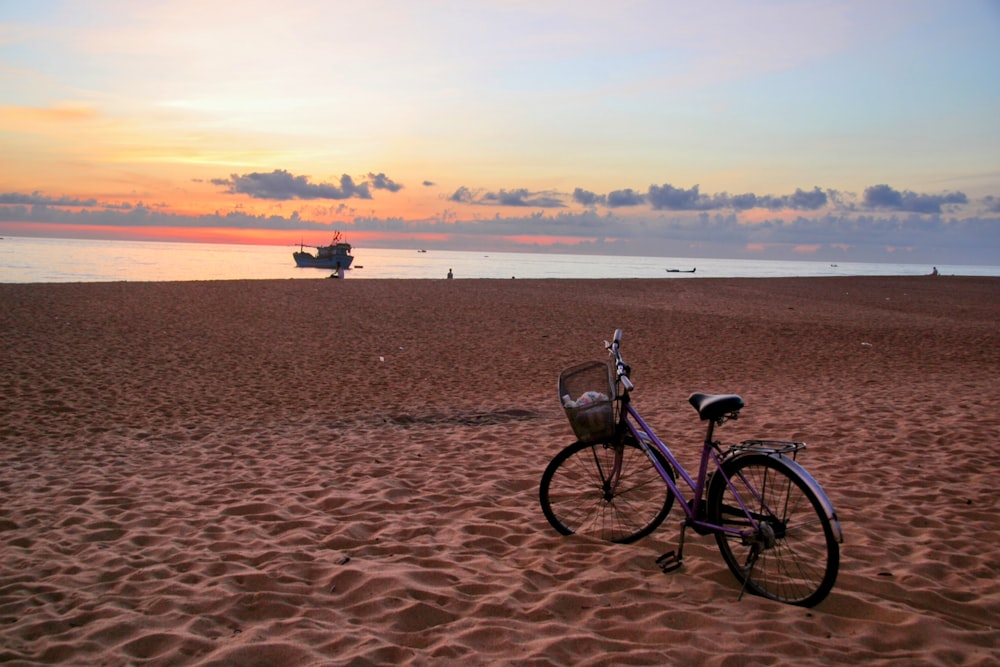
(715, 406)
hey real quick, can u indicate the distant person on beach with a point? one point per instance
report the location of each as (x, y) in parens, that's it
(450, 274)
(934, 271)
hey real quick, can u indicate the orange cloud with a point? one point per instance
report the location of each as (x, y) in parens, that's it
(550, 240)
(66, 112)
(758, 215)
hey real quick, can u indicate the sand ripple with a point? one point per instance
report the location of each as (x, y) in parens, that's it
(179, 486)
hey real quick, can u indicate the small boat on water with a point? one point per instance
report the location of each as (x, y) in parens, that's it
(337, 254)
(682, 270)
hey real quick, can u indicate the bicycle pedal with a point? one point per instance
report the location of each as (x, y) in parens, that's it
(669, 561)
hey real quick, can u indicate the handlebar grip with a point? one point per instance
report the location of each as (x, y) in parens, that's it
(620, 366)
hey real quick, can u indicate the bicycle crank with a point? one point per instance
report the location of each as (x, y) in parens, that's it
(672, 560)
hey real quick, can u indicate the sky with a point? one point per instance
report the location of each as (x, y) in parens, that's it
(855, 130)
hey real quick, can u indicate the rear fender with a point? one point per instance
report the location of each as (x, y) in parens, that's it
(795, 470)
(814, 486)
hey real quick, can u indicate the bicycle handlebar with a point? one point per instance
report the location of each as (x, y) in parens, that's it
(621, 368)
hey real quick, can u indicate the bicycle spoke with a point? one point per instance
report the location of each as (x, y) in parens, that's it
(581, 492)
(787, 551)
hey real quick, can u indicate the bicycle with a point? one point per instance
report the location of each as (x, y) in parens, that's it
(773, 523)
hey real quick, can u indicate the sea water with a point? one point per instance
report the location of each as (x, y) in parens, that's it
(46, 260)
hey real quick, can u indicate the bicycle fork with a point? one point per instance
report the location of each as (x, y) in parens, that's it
(609, 482)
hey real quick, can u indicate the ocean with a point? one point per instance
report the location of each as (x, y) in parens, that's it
(46, 260)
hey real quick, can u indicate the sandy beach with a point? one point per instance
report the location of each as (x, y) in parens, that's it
(323, 472)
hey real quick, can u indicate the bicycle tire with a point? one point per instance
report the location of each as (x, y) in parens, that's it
(798, 553)
(576, 497)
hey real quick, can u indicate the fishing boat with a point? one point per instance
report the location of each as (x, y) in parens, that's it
(335, 255)
(682, 270)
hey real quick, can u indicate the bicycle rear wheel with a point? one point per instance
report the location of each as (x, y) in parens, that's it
(578, 495)
(793, 557)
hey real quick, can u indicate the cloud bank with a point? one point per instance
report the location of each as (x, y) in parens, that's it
(884, 197)
(280, 185)
(882, 224)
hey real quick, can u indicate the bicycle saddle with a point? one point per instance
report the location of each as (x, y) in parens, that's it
(715, 406)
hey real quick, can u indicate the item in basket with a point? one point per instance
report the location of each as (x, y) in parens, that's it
(587, 398)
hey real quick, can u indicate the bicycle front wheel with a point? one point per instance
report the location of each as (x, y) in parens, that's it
(793, 555)
(579, 495)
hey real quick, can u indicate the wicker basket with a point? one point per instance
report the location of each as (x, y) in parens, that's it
(587, 394)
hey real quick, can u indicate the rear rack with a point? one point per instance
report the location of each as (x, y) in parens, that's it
(779, 447)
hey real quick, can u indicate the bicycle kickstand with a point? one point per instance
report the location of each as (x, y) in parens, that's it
(672, 560)
(751, 561)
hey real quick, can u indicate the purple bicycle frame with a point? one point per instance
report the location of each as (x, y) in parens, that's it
(648, 438)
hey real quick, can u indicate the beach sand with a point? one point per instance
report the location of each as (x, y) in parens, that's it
(312, 472)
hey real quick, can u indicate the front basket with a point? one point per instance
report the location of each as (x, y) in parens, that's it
(587, 394)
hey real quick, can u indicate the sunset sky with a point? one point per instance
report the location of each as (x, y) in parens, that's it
(862, 130)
